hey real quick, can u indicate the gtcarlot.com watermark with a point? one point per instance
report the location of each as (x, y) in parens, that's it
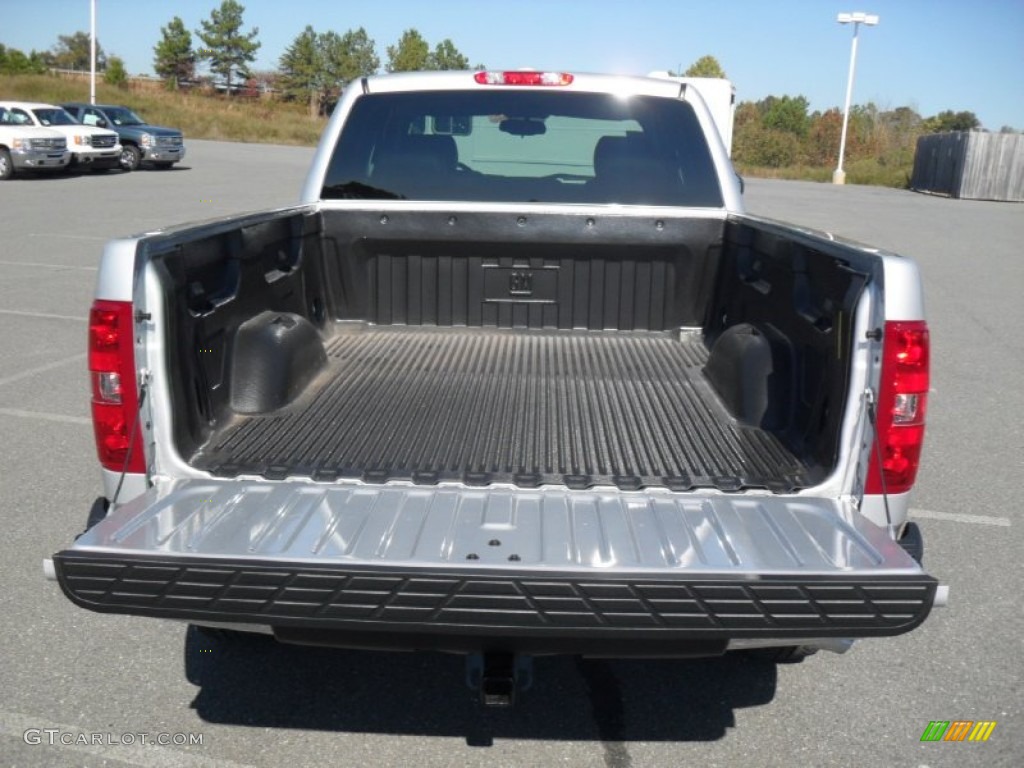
(57, 737)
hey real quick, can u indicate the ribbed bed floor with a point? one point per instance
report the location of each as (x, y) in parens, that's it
(486, 406)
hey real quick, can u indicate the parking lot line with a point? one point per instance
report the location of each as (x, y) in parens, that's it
(45, 416)
(45, 266)
(41, 369)
(44, 315)
(67, 236)
(957, 517)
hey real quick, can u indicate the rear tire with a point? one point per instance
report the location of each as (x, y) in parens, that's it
(913, 542)
(131, 157)
(6, 165)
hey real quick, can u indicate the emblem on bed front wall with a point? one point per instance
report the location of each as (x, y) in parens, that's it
(520, 283)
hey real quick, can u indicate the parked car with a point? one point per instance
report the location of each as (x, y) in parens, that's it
(27, 148)
(94, 148)
(140, 141)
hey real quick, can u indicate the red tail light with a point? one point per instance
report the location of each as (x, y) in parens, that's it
(523, 78)
(115, 402)
(902, 402)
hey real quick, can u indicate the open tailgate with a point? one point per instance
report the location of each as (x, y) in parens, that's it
(497, 563)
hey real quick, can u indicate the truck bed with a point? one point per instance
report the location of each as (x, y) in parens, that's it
(483, 406)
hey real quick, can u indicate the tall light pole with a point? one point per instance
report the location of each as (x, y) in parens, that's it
(92, 51)
(858, 18)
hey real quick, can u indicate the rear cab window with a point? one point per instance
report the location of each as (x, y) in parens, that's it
(523, 146)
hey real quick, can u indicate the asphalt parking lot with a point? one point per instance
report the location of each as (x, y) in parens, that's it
(66, 671)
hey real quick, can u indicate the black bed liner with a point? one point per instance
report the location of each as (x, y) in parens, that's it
(481, 406)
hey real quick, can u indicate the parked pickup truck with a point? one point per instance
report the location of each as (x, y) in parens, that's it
(27, 148)
(140, 141)
(92, 148)
(518, 376)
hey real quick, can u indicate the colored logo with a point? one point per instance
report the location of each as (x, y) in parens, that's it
(958, 730)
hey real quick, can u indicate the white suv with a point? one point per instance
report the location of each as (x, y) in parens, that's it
(95, 148)
(27, 148)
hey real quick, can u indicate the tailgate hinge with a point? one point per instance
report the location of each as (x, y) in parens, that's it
(145, 377)
(870, 404)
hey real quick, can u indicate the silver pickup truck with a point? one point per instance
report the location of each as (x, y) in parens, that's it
(518, 376)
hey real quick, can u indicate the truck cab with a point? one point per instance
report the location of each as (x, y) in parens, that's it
(23, 147)
(91, 147)
(141, 143)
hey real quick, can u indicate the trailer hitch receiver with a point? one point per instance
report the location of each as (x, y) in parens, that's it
(498, 675)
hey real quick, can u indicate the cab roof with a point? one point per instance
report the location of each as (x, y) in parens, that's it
(96, 106)
(28, 105)
(626, 85)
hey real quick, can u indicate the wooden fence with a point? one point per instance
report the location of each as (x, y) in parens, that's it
(970, 165)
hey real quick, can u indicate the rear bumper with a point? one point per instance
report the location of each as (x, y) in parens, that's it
(538, 612)
(597, 573)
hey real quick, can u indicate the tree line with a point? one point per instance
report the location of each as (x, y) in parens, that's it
(70, 52)
(313, 68)
(773, 132)
(782, 132)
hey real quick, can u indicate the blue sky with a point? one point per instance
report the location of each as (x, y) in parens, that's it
(927, 54)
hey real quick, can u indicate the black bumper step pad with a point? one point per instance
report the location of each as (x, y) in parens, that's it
(554, 604)
(578, 409)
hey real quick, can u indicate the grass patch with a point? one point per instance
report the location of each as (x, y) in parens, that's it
(878, 172)
(199, 116)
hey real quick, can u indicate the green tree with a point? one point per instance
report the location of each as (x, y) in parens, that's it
(705, 66)
(228, 50)
(755, 145)
(315, 67)
(446, 56)
(411, 54)
(40, 61)
(346, 58)
(902, 126)
(15, 62)
(73, 52)
(769, 133)
(949, 120)
(173, 57)
(302, 69)
(787, 114)
(115, 73)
